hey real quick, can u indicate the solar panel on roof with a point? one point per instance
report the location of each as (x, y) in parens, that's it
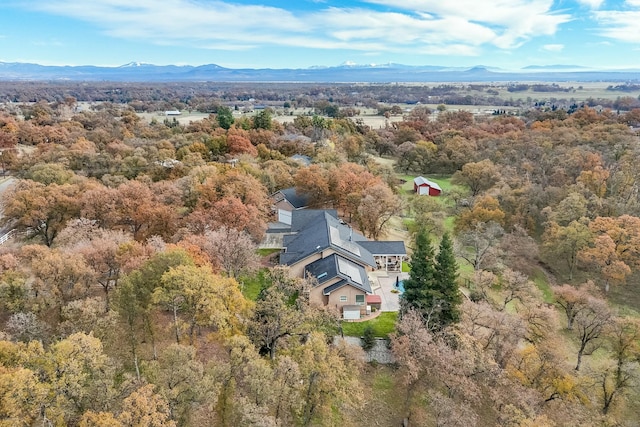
(350, 270)
(334, 234)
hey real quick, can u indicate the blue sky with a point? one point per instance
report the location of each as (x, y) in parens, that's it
(302, 33)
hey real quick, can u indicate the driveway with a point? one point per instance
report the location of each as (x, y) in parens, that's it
(383, 283)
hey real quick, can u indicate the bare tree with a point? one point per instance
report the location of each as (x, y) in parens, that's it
(589, 325)
(478, 246)
(234, 250)
(573, 300)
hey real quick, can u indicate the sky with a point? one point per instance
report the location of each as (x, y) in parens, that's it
(508, 34)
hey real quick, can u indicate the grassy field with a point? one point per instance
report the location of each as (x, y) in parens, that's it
(382, 325)
(542, 283)
(251, 285)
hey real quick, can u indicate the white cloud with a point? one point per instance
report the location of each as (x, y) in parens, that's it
(620, 25)
(553, 47)
(593, 4)
(463, 27)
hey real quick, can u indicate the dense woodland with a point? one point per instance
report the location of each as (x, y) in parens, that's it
(125, 290)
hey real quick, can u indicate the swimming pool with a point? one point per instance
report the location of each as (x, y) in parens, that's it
(399, 286)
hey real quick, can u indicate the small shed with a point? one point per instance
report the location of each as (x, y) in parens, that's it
(351, 312)
(422, 186)
(375, 301)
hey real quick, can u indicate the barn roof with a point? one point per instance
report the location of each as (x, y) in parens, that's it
(420, 180)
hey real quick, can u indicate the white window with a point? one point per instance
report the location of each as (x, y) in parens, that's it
(343, 298)
(359, 299)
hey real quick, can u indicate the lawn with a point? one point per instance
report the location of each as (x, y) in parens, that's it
(382, 325)
(541, 282)
(268, 251)
(251, 285)
(405, 267)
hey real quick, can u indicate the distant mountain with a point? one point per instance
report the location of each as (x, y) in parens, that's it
(555, 67)
(345, 73)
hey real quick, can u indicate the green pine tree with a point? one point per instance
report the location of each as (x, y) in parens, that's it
(432, 285)
(418, 287)
(445, 283)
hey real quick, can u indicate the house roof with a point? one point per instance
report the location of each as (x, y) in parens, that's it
(333, 266)
(420, 180)
(298, 201)
(317, 230)
(384, 248)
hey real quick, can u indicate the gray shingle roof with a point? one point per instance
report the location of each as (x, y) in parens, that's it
(333, 266)
(317, 230)
(297, 200)
(384, 248)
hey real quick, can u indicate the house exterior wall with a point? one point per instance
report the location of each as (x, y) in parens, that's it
(284, 205)
(284, 216)
(426, 190)
(316, 297)
(434, 191)
(350, 292)
(297, 269)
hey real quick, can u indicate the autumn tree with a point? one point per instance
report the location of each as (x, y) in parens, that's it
(235, 215)
(329, 377)
(41, 210)
(478, 176)
(485, 209)
(104, 256)
(618, 379)
(202, 298)
(280, 312)
(134, 296)
(541, 367)
(231, 249)
(59, 277)
(427, 363)
(573, 299)
(314, 182)
(377, 207)
(615, 249)
(180, 380)
(563, 244)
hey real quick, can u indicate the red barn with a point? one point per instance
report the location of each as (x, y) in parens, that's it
(422, 185)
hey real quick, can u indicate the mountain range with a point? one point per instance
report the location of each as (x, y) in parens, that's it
(346, 73)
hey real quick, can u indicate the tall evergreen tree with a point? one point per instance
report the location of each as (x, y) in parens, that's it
(431, 288)
(446, 276)
(417, 288)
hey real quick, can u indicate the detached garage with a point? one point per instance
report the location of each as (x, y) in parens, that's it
(351, 312)
(422, 186)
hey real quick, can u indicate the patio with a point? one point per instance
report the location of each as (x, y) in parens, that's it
(382, 284)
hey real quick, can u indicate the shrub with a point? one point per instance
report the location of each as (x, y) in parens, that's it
(368, 339)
